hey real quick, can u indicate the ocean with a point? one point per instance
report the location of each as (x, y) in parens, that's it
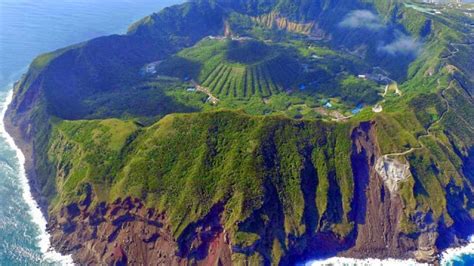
(32, 27)
(27, 29)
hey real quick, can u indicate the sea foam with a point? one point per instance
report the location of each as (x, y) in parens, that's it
(454, 254)
(49, 254)
(447, 258)
(337, 261)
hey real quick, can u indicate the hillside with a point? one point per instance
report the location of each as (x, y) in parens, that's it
(235, 68)
(258, 132)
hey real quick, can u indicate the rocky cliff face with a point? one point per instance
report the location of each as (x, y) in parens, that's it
(377, 210)
(274, 20)
(19, 124)
(126, 231)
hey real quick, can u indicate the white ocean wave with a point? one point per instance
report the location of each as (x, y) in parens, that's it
(447, 258)
(49, 254)
(337, 261)
(453, 254)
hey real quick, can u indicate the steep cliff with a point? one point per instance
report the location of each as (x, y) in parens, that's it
(241, 188)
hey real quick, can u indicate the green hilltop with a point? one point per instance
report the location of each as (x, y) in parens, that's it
(236, 68)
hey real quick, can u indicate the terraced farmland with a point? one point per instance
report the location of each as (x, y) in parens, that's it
(274, 72)
(263, 79)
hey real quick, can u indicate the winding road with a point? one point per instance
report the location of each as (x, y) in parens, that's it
(428, 130)
(428, 133)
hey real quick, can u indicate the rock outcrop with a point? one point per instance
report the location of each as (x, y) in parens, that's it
(126, 232)
(392, 172)
(274, 20)
(377, 209)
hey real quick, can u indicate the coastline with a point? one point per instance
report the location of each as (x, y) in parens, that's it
(38, 207)
(34, 166)
(446, 258)
(11, 126)
(452, 254)
(15, 129)
(36, 211)
(341, 261)
(15, 140)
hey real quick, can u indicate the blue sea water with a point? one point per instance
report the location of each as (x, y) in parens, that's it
(28, 28)
(466, 260)
(461, 256)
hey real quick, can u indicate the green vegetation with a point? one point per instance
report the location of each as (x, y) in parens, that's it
(226, 157)
(355, 90)
(292, 78)
(247, 52)
(238, 69)
(131, 116)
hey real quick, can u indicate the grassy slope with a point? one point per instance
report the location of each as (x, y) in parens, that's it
(236, 69)
(103, 81)
(225, 157)
(271, 73)
(432, 104)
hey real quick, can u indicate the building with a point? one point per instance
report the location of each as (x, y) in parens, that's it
(357, 109)
(151, 67)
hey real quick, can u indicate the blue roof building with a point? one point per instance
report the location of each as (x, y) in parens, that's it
(358, 109)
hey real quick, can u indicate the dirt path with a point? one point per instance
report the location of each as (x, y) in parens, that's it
(386, 166)
(386, 90)
(452, 53)
(333, 114)
(430, 127)
(378, 108)
(448, 107)
(212, 99)
(393, 171)
(404, 153)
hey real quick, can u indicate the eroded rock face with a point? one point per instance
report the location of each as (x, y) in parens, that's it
(392, 172)
(275, 20)
(379, 206)
(126, 232)
(377, 209)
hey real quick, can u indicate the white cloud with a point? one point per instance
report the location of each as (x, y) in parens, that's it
(362, 19)
(403, 44)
